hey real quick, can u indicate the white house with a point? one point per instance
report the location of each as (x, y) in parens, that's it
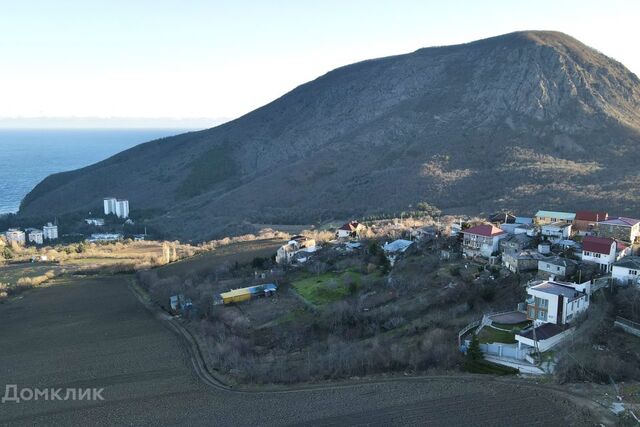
(482, 240)
(118, 207)
(105, 237)
(350, 229)
(15, 235)
(285, 253)
(599, 250)
(35, 236)
(50, 231)
(556, 231)
(98, 222)
(627, 271)
(557, 302)
(552, 306)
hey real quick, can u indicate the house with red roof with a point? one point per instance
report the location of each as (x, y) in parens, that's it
(350, 229)
(482, 240)
(586, 221)
(599, 250)
(620, 228)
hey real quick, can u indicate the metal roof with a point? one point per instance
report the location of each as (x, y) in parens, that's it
(632, 262)
(556, 289)
(567, 216)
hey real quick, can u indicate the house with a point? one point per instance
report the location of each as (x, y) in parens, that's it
(599, 250)
(519, 262)
(455, 229)
(515, 243)
(482, 240)
(394, 249)
(34, 236)
(524, 220)
(285, 253)
(528, 229)
(15, 235)
(98, 222)
(552, 306)
(621, 228)
(397, 246)
(426, 233)
(556, 302)
(350, 229)
(50, 231)
(117, 207)
(586, 221)
(557, 266)
(105, 237)
(547, 217)
(501, 218)
(542, 337)
(626, 271)
(556, 231)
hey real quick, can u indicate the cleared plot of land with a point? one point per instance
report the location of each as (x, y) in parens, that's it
(327, 287)
(92, 332)
(240, 252)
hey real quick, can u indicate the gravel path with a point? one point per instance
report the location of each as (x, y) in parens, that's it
(93, 332)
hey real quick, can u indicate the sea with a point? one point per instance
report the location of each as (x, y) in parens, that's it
(29, 155)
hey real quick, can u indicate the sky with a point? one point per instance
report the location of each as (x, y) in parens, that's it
(84, 61)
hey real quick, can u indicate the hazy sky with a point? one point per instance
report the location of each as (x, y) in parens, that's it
(187, 59)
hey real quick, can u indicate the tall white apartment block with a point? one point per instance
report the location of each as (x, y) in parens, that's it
(109, 205)
(118, 207)
(50, 231)
(122, 208)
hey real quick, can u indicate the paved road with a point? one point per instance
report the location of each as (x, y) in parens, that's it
(95, 333)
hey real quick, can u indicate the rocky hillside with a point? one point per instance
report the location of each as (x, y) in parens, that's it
(524, 120)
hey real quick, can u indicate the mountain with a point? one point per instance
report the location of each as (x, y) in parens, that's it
(525, 120)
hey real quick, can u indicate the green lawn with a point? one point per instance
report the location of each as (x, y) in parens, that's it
(490, 335)
(327, 287)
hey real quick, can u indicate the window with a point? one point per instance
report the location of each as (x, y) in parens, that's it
(532, 313)
(542, 315)
(633, 272)
(541, 302)
(558, 268)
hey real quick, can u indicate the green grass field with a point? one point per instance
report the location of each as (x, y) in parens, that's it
(490, 335)
(327, 287)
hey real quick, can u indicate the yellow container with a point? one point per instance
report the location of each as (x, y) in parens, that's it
(236, 295)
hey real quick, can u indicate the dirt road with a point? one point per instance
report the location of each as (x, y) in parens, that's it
(93, 332)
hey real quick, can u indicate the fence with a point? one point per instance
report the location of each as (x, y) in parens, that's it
(628, 326)
(466, 329)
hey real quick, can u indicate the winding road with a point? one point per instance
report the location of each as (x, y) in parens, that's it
(94, 332)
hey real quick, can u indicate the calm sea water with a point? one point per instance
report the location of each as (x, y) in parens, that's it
(27, 156)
